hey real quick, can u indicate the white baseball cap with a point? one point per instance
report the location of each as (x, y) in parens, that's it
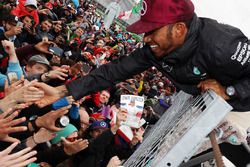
(31, 3)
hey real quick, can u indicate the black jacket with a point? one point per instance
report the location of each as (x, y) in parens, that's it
(211, 50)
(93, 155)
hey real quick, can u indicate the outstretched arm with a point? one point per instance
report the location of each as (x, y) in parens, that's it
(109, 74)
(105, 76)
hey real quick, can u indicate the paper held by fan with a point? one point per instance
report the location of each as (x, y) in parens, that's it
(134, 106)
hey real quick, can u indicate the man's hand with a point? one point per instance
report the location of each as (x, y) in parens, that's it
(43, 47)
(229, 131)
(19, 96)
(21, 158)
(75, 69)
(7, 124)
(120, 117)
(27, 93)
(71, 148)
(114, 162)
(27, 26)
(59, 73)
(44, 164)
(138, 136)
(43, 135)
(8, 89)
(13, 31)
(48, 120)
(51, 94)
(31, 30)
(9, 47)
(43, 11)
(215, 86)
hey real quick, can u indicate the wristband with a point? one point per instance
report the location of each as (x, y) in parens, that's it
(33, 123)
(60, 103)
(33, 138)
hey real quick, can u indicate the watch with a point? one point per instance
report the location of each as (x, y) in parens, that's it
(46, 75)
(33, 122)
(230, 91)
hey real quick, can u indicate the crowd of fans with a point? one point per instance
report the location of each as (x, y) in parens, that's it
(53, 42)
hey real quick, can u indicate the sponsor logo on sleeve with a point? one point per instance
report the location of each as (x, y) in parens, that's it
(242, 53)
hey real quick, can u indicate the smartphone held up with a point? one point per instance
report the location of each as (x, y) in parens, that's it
(55, 50)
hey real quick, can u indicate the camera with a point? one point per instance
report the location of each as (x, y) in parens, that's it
(86, 68)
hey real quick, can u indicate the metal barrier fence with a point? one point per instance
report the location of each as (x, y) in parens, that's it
(180, 131)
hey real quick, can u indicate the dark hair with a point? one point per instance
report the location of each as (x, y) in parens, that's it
(32, 20)
(47, 19)
(22, 18)
(64, 36)
(186, 22)
(8, 17)
(65, 61)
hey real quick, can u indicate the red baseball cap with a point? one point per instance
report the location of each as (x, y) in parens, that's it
(98, 51)
(158, 13)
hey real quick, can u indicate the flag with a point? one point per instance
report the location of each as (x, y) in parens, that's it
(137, 8)
(20, 11)
(125, 15)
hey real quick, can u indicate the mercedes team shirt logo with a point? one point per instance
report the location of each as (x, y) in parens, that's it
(144, 8)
